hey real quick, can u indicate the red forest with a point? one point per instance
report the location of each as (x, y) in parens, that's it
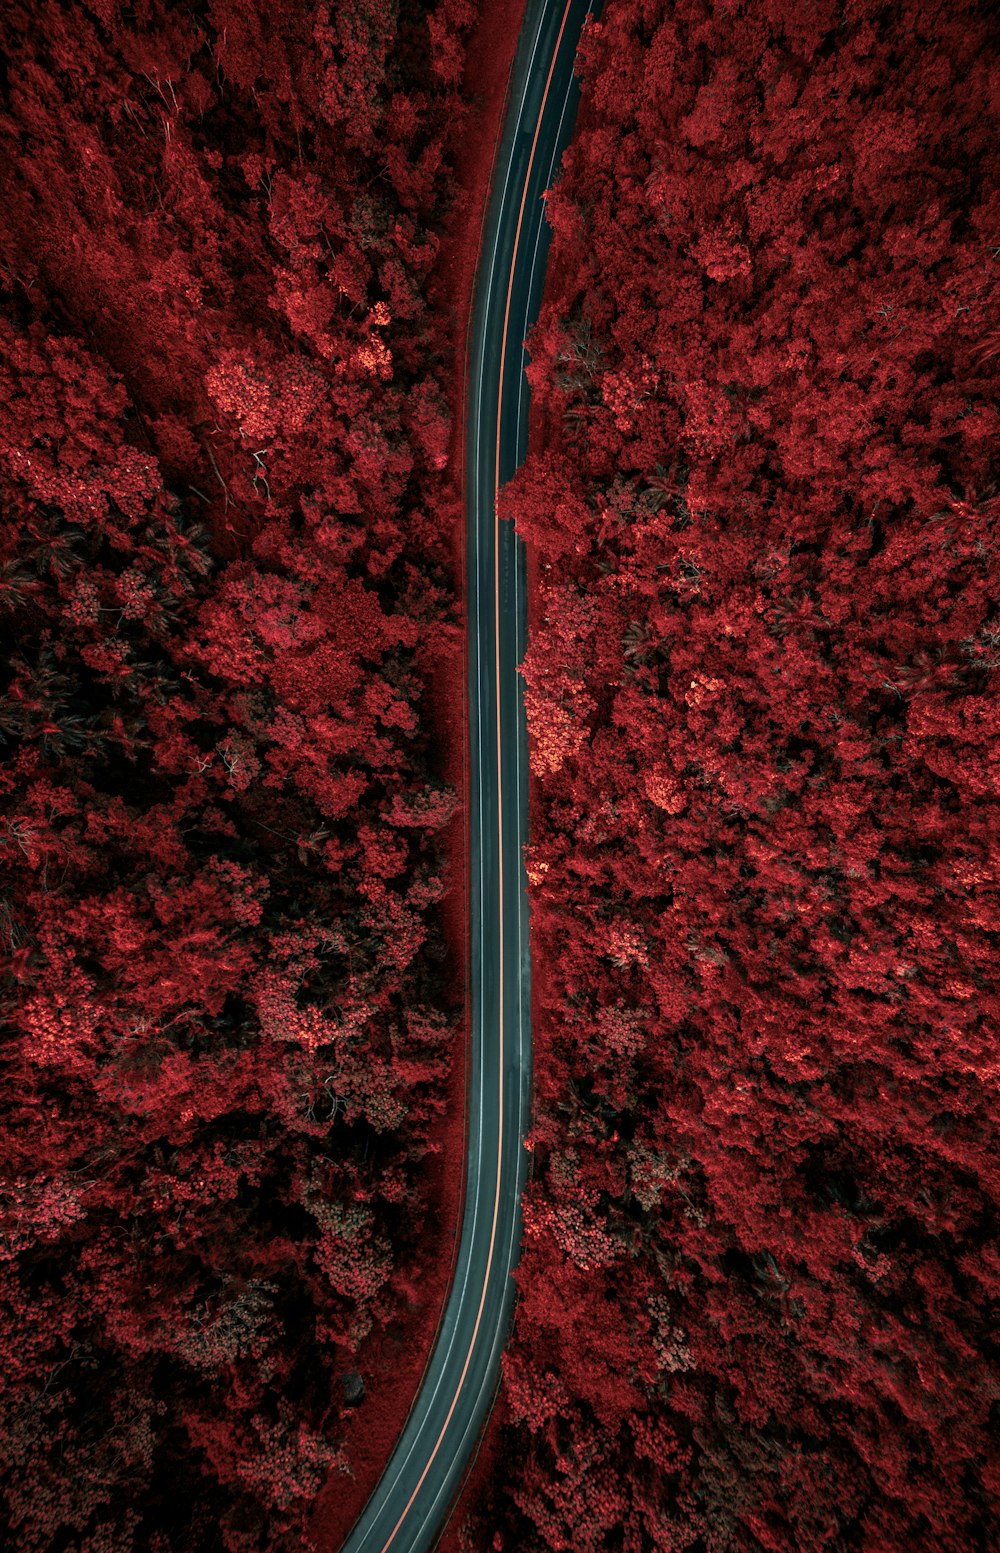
(228, 608)
(760, 1284)
(760, 1280)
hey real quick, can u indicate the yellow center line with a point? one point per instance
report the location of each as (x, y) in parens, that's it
(496, 629)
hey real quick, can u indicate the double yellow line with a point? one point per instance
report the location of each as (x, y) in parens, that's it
(496, 632)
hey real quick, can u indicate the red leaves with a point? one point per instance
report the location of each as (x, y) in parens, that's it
(764, 528)
(225, 583)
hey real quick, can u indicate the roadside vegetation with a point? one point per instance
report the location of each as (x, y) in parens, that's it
(226, 582)
(759, 1291)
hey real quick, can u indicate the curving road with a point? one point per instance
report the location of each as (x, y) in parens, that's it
(408, 1508)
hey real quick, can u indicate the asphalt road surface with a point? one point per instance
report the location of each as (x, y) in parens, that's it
(408, 1508)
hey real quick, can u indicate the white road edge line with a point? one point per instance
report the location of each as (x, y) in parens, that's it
(388, 1488)
(510, 1251)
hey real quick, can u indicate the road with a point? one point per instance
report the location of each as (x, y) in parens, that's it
(410, 1504)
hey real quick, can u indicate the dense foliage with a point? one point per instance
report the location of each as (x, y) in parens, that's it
(760, 1286)
(225, 587)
